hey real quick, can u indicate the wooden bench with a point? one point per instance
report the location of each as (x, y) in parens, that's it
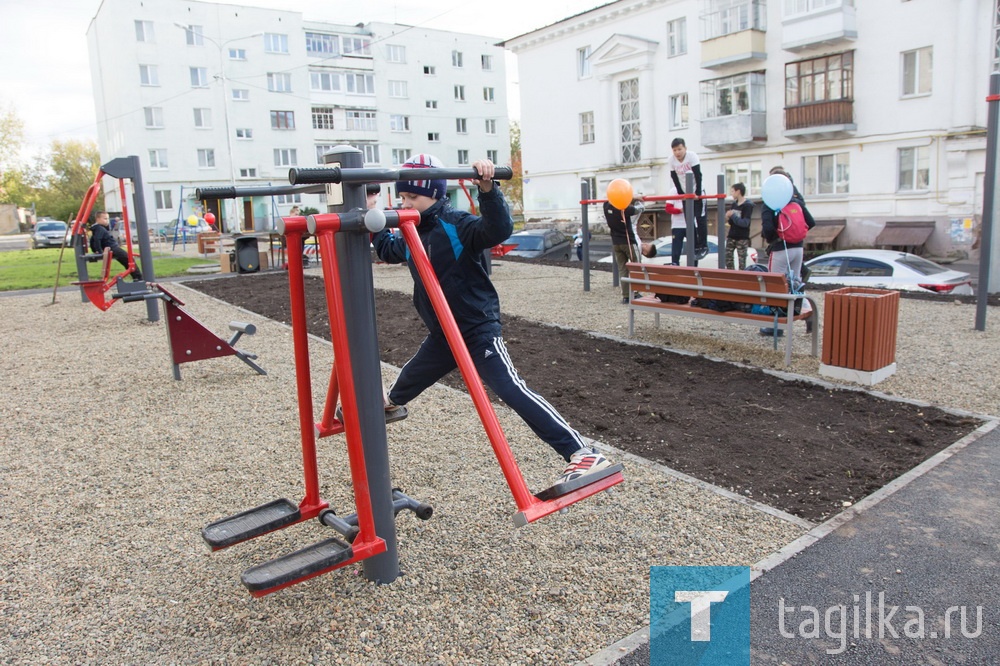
(752, 287)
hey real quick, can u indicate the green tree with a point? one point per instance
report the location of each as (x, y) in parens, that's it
(72, 166)
(15, 186)
(513, 189)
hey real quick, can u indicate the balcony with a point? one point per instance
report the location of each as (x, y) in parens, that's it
(733, 32)
(822, 120)
(830, 23)
(737, 47)
(742, 130)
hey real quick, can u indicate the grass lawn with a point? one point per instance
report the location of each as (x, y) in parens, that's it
(36, 269)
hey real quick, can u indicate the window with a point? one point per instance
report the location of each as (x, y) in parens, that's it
(244, 133)
(322, 117)
(488, 94)
(400, 155)
(361, 120)
(241, 95)
(395, 53)
(288, 198)
(203, 118)
(431, 104)
(275, 42)
(460, 93)
(158, 158)
(433, 137)
(628, 108)
(285, 157)
(144, 31)
(732, 95)
(463, 157)
(193, 35)
(491, 155)
(796, 7)
(361, 84)
(397, 89)
(206, 158)
(583, 63)
(279, 82)
(917, 71)
(237, 54)
(430, 70)
(324, 81)
(456, 58)
(826, 174)
(461, 126)
(283, 120)
(677, 41)
(487, 61)
(154, 117)
(149, 75)
(491, 126)
(318, 43)
(359, 46)
(914, 168)
(725, 17)
(399, 123)
(679, 111)
(322, 149)
(587, 127)
(199, 77)
(820, 79)
(164, 200)
(248, 173)
(747, 173)
(369, 152)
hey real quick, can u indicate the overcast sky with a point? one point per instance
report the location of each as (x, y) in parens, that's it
(45, 72)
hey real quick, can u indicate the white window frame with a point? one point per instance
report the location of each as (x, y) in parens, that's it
(680, 111)
(629, 121)
(398, 89)
(459, 93)
(357, 46)
(748, 173)
(461, 126)
(240, 94)
(237, 54)
(202, 118)
(324, 81)
(431, 104)
(248, 172)
(149, 75)
(199, 77)
(919, 81)
(491, 126)
(492, 155)
(677, 37)
(244, 133)
(487, 62)
(206, 158)
(282, 199)
(794, 8)
(279, 82)
(322, 149)
(462, 157)
(369, 152)
(164, 199)
(430, 70)
(153, 116)
(286, 157)
(361, 120)
(275, 42)
(838, 165)
(399, 123)
(456, 59)
(919, 155)
(583, 70)
(322, 43)
(395, 53)
(743, 93)
(144, 32)
(433, 137)
(193, 35)
(489, 94)
(587, 128)
(726, 17)
(366, 81)
(400, 155)
(158, 158)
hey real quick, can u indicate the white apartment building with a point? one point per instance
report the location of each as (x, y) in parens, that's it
(877, 108)
(209, 95)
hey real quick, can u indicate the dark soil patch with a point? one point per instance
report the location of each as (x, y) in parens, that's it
(789, 444)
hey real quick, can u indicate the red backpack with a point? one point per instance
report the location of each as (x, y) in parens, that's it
(792, 227)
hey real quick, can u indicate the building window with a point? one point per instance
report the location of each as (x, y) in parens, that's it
(322, 149)
(826, 174)
(322, 117)
(241, 95)
(489, 94)
(248, 173)
(206, 158)
(288, 198)
(283, 120)
(244, 133)
(369, 152)
(492, 156)
(491, 126)
(583, 63)
(193, 35)
(487, 61)
(459, 93)
(733, 95)
(361, 84)
(359, 46)
(154, 117)
(397, 89)
(463, 157)
(279, 82)
(461, 126)
(144, 31)
(434, 137)
(199, 77)
(285, 157)
(747, 173)
(431, 104)
(820, 79)
(914, 168)
(677, 41)
(164, 199)
(361, 120)
(324, 81)
(430, 70)
(395, 53)
(724, 17)
(399, 123)
(456, 58)
(797, 7)
(237, 54)
(275, 42)
(679, 111)
(996, 38)
(628, 108)
(318, 43)
(158, 158)
(587, 127)
(203, 118)
(149, 75)
(917, 67)
(400, 155)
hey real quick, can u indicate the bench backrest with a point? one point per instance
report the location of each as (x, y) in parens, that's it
(711, 283)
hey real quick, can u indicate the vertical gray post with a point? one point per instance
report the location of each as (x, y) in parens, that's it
(81, 264)
(720, 226)
(585, 230)
(689, 208)
(989, 201)
(354, 259)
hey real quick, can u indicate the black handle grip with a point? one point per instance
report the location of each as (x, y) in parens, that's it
(316, 175)
(215, 193)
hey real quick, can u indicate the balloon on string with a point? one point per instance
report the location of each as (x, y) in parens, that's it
(210, 218)
(192, 220)
(776, 191)
(620, 193)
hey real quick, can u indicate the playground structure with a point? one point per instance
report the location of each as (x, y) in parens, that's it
(369, 534)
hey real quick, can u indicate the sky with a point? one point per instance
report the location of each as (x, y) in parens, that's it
(45, 71)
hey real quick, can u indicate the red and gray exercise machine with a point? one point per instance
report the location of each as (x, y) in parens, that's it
(344, 245)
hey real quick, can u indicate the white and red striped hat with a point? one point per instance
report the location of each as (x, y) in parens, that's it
(435, 189)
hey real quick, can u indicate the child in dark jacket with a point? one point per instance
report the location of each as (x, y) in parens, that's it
(455, 242)
(101, 238)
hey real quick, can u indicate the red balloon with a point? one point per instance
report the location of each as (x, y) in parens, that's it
(210, 218)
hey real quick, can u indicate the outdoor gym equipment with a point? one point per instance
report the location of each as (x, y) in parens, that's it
(356, 376)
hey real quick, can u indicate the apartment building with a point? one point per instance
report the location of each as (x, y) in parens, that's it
(877, 109)
(213, 95)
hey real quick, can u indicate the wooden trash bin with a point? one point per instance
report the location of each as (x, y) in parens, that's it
(859, 334)
(208, 242)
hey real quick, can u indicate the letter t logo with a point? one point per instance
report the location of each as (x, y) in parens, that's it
(701, 614)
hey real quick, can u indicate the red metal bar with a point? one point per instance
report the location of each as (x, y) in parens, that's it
(88, 202)
(329, 425)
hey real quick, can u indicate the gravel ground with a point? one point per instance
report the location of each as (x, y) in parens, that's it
(111, 471)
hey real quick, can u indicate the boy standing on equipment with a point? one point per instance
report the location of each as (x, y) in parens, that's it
(101, 237)
(455, 241)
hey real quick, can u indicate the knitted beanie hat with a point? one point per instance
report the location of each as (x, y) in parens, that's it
(435, 189)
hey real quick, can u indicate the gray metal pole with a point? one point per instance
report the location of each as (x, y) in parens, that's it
(720, 225)
(689, 206)
(585, 230)
(989, 201)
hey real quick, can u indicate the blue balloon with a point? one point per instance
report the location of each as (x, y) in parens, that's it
(776, 191)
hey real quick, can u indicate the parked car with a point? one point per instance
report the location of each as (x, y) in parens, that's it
(541, 243)
(49, 233)
(887, 269)
(711, 260)
(182, 229)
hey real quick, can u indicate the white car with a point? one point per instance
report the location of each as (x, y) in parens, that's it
(711, 260)
(887, 269)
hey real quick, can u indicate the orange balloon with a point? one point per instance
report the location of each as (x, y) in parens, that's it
(620, 193)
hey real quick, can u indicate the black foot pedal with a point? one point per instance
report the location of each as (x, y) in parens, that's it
(561, 489)
(301, 564)
(391, 415)
(249, 524)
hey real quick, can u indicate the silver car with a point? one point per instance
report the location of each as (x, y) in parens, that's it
(887, 269)
(49, 233)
